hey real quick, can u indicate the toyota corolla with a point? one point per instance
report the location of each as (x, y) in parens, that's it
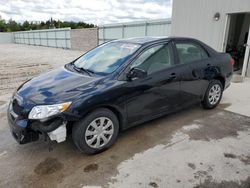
(117, 85)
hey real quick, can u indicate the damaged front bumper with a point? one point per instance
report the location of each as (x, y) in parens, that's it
(19, 130)
(25, 131)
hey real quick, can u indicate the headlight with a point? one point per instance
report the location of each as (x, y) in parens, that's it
(45, 111)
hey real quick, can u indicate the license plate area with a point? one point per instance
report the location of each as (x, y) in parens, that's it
(25, 137)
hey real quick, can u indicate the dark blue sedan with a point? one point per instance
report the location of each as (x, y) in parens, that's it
(117, 85)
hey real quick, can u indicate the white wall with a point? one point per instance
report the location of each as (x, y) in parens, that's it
(58, 38)
(6, 38)
(194, 18)
(161, 27)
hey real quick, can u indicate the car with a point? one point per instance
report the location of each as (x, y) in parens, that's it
(117, 85)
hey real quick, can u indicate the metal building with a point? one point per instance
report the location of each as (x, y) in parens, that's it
(58, 38)
(223, 24)
(161, 27)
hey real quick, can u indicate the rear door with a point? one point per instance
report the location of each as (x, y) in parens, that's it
(193, 60)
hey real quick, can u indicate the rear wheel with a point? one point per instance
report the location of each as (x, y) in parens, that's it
(213, 95)
(96, 132)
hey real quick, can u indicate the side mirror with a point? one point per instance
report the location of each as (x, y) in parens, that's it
(136, 73)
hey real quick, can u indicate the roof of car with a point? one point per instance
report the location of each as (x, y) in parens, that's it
(142, 40)
(149, 39)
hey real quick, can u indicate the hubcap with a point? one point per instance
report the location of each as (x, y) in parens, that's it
(214, 94)
(99, 132)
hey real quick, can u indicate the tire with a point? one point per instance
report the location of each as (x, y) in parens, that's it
(99, 124)
(212, 99)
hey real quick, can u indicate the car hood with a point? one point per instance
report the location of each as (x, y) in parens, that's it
(58, 85)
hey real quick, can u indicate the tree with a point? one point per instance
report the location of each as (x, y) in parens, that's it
(3, 26)
(12, 25)
(26, 26)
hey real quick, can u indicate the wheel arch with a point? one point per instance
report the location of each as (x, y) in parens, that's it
(119, 114)
(221, 79)
(205, 100)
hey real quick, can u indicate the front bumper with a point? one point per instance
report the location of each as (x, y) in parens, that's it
(25, 131)
(21, 134)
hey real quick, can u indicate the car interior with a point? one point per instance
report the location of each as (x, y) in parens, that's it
(155, 60)
(189, 53)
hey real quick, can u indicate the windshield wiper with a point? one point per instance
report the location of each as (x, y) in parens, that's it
(89, 71)
(80, 69)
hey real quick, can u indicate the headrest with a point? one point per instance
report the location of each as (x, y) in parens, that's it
(192, 50)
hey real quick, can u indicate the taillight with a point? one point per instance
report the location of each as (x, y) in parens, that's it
(231, 61)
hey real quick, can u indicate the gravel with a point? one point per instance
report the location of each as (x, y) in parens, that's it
(19, 63)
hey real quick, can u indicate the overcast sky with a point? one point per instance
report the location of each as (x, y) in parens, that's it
(90, 11)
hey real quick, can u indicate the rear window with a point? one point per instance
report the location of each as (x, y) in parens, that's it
(190, 52)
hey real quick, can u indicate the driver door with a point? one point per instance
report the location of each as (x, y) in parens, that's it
(159, 91)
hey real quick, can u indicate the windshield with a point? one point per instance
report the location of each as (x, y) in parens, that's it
(106, 58)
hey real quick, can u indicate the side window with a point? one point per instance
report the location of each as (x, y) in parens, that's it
(189, 52)
(154, 59)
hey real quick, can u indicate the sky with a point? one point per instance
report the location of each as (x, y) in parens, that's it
(97, 12)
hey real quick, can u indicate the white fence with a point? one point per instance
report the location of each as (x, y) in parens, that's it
(6, 38)
(62, 38)
(134, 29)
(58, 38)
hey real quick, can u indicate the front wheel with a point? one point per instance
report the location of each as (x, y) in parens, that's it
(96, 132)
(213, 95)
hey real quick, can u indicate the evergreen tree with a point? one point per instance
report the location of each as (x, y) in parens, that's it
(12, 25)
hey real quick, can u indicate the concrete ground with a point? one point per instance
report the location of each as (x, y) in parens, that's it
(191, 148)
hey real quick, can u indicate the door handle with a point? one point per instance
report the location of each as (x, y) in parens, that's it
(172, 76)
